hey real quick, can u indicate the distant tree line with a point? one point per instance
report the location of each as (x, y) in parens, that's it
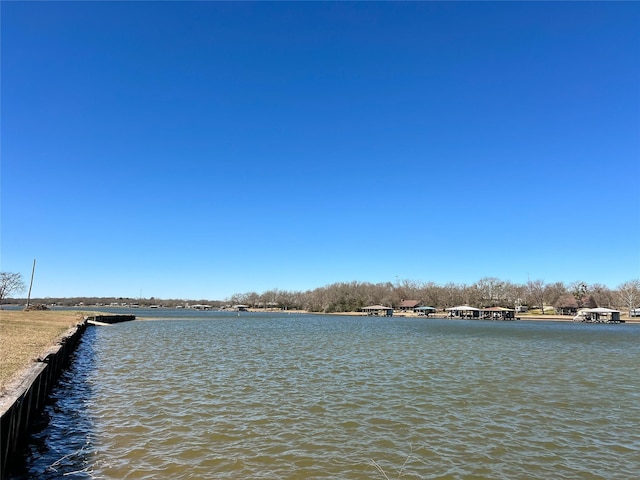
(352, 296)
(112, 301)
(486, 292)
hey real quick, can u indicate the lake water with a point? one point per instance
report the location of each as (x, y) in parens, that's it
(208, 395)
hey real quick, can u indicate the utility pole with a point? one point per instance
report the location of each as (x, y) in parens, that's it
(33, 271)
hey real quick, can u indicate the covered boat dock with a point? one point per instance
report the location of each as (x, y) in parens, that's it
(463, 311)
(378, 310)
(498, 313)
(598, 315)
(424, 311)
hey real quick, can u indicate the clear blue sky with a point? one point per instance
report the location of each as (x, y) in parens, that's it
(196, 150)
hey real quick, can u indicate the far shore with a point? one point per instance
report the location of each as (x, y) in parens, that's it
(397, 313)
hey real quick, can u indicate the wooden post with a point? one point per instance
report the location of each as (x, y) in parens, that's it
(33, 270)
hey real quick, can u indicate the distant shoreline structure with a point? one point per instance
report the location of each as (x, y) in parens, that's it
(534, 296)
(140, 313)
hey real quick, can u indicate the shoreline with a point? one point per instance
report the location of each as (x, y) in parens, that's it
(30, 371)
(524, 317)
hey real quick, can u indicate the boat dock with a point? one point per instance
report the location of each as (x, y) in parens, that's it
(108, 319)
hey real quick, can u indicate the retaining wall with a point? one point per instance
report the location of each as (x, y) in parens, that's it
(28, 400)
(109, 319)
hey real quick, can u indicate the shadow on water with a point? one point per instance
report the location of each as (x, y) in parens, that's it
(61, 443)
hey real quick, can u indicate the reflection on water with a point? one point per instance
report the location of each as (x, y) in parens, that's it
(300, 397)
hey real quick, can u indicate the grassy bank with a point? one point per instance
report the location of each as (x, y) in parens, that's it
(26, 336)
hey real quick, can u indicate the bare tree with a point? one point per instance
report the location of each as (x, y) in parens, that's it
(490, 292)
(10, 283)
(554, 291)
(602, 295)
(579, 290)
(629, 293)
(429, 294)
(536, 290)
(452, 295)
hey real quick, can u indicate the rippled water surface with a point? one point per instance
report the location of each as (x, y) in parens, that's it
(215, 396)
